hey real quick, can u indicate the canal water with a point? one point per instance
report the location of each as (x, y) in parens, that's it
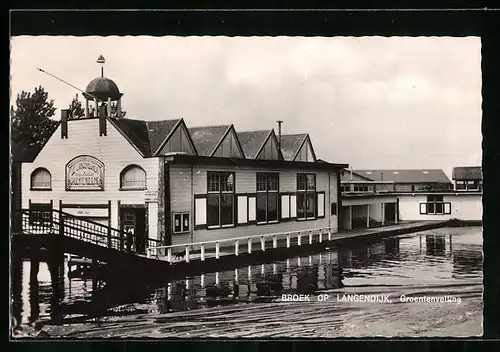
(422, 284)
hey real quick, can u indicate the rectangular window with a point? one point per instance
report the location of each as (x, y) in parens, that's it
(40, 213)
(267, 197)
(435, 204)
(472, 185)
(306, 196)
(333, 210)
(460, 185)
(181, 222)
(220, 199)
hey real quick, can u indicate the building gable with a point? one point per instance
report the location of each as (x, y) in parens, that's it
(178, 141)
(269, 149)
(229, 146)
(306, 151)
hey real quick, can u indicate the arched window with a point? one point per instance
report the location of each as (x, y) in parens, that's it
(40, 179)
(133, 177)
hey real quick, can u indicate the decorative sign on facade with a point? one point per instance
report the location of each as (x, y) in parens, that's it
(88, 212)
(85, 173)
(151, 196)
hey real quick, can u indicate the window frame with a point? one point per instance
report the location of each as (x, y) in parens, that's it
(461, 183)
(266, 192)
(305, 192)
(432, 200)
(474, 182)
(132, 188)
(36, 215)
(182, 215)
(219, 193)
(33, 173)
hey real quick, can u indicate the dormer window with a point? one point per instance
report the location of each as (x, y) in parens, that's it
(41, 180)
(133, 177)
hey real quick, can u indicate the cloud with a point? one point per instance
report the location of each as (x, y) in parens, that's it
(369, 101)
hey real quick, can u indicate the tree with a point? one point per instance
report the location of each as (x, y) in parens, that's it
(76, 110)
(31, 124)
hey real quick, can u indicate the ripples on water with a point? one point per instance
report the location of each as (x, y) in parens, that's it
(246, 302)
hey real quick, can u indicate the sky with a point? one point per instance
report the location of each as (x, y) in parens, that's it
(371, 102)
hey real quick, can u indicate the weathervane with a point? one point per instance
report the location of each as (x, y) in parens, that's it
(101, 60)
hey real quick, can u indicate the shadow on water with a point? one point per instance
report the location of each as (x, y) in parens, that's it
(386, 262)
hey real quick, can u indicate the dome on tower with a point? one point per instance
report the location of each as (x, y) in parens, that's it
(103, 88)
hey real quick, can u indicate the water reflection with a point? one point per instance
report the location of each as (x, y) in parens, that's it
(43, 293)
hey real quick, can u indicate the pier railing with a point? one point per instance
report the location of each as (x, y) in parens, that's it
(238, 245)
(56, 222)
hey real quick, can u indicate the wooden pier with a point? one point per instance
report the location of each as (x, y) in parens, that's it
(277, 242)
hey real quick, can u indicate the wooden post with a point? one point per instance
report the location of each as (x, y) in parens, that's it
(299, 239)
(275, 241)
(350, 217)
(86, 108)
(187, 254)
(287, 240)
(298, 261)
(236, 246)
(383, 213)
(310, 237)
(169, 254)
(250, 245)
(396, 213)
(217, 250)
(367, 215)
(262, 243)
(202, 248)
(329, 234)
(320, 236)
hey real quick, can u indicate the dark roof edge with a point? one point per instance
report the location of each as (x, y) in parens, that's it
(216, 161)
(127, 138)
(357, 174)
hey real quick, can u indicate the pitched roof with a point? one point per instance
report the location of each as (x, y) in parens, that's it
(158, 131)
(252, 141)
(137, 133)
(406, 176)
(290, 144)
(145, 135)
(206, 138)
(346, 175)
(467, 173)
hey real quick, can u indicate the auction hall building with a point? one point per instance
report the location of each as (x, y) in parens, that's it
(174, 183)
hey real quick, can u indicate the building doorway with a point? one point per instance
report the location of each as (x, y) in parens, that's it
(390, 212)
(133, 223)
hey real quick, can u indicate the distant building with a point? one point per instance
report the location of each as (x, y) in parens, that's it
(371, 197)
(468, 178)
(402, 180)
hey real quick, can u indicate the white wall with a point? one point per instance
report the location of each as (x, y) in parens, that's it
(113, 150)
(463, 207)
(245, 178)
